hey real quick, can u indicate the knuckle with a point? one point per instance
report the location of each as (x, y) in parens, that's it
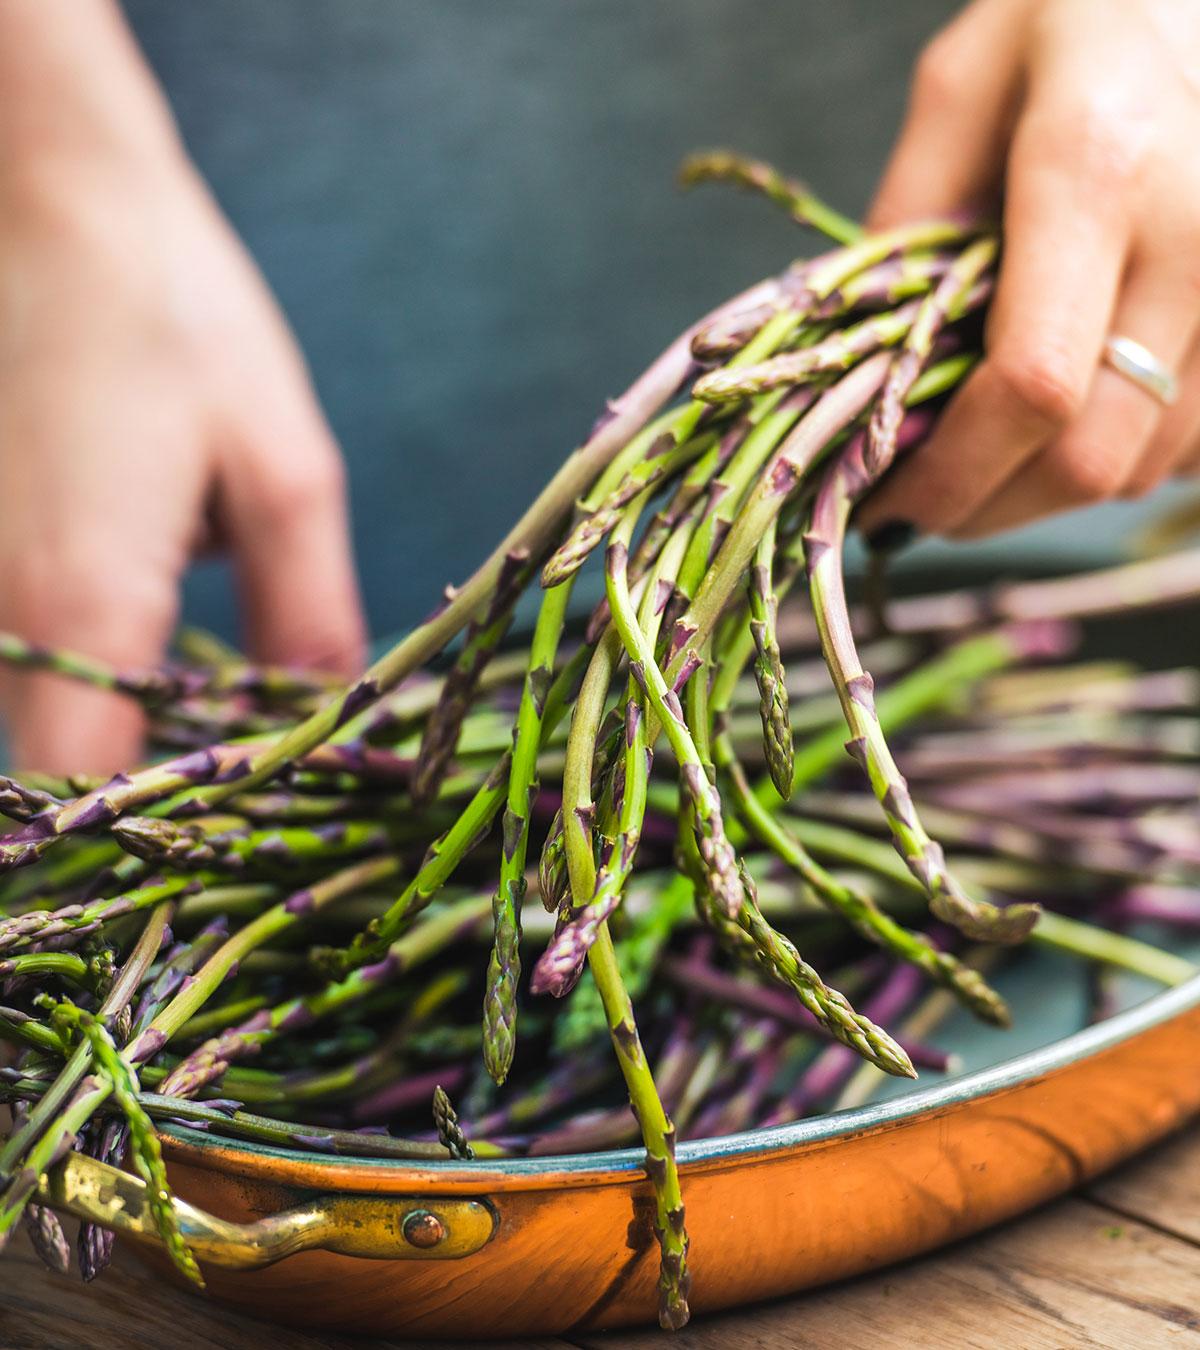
(296, 487)
(1138, 486)
(1085, 474)
(1042, 379)
(938, 80)
(1102, 138)
(60, 597)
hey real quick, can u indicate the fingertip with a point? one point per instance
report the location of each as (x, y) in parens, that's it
(910, 500)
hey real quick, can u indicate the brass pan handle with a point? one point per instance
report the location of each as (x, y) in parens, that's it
(385, 1228)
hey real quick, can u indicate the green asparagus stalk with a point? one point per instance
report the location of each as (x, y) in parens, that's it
(143, 1141)
(450, 1133)
(71, 1099)
(658, 1133)
(868, 744)
(796, 198)
(726, 883)
(504, 967)
(720, 863)
(440, 736)
(39, 925)
(769, 673)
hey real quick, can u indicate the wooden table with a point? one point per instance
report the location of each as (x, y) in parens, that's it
(1116, 1266)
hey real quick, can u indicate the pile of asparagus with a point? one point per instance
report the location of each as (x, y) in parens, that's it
(279, 930)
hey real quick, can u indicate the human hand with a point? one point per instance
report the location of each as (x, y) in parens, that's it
(1082, 116)
(152, 404)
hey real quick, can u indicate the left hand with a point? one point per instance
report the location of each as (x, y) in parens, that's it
(1083, 117)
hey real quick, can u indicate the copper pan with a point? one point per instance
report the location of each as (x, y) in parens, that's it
(535, 1246)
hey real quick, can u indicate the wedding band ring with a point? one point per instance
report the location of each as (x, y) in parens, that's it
(1139, 364)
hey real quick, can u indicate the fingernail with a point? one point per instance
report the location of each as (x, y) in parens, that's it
(891, 536)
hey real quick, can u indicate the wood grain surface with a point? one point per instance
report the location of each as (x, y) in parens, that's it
(1117, 1266)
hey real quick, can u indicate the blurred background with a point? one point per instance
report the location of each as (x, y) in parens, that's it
(468, 212)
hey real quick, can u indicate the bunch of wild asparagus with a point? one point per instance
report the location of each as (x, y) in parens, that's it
(276, 933)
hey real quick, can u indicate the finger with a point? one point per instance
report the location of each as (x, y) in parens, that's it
(1175, 446)
(1106, 450)
(950, 152)
(284, 509)
(1177, 427)
(76, 599)
(91, 547)
(62, 727)
(1067, 231)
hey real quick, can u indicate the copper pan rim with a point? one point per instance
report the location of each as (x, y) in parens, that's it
(619, 1166)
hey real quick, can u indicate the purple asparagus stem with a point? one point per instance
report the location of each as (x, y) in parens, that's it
(843, 484)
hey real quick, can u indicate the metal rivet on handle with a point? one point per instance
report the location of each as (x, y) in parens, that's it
(423, 1229)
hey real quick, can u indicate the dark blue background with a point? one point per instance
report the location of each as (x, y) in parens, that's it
(467, 210)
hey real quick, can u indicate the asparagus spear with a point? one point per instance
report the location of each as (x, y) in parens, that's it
(831, 511)
(728, 885)
(504, 967)
(450, 1133)
(144, 1145)
(441, 732)
(769, 673)
(795, 197)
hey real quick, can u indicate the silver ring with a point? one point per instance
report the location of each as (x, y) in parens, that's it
(1139, 364)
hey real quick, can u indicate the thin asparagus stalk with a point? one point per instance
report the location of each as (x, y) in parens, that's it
(834, 1065)
(144, 1145)
(20, 801)
(440, 736)
(148, 686)
(729, 886)
(39, 925)
(451, 1135)
(1152, 584)
(868, 743)
(858, 908)
(446, 852)
(769, 673)
(209, 1062)
(881, 286)
(553, 881)
(195, 844)
(558, 968)
(789, 464)
(721, 871)
(47, 1238)
(839, 351)
(1057, 932)
(71, 1099)
(957, 291)
(638, 952)
(1106, 855)
(664, 459)
(43, 1227)
(658, 1134)
(504, 967)
(795, 197)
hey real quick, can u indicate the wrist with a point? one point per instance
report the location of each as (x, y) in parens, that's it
(75, 94)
